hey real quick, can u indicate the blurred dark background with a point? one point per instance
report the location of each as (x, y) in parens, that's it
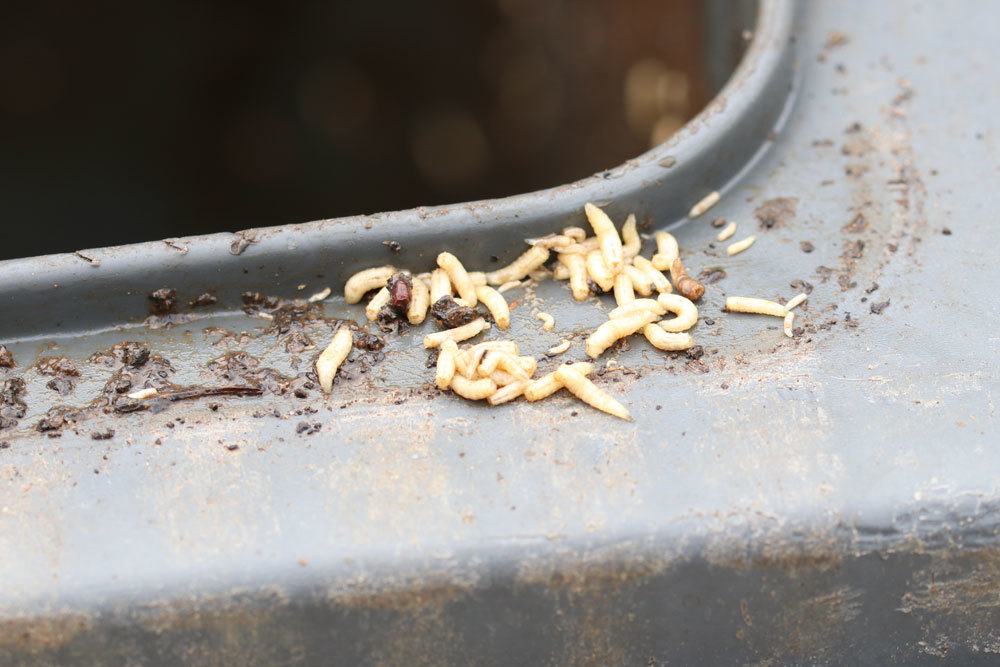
(130, 122)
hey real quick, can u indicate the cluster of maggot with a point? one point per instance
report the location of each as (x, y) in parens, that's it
(607, 261)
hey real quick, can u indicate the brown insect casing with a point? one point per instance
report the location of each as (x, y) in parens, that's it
(685, 284)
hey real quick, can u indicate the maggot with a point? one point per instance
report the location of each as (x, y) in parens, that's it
(631, 243)
(576, 233)
(446, 364)
(641, 284)
(377, 303)
(748, 304)
(496, 304)
(637, 306)
(599, 271)
(607, 238)
(464, 332)
(440, 285)
(520, 267)
(559, 349)
(332, 357)
(420, 301)
(548, 322)
(576, 266)
(548, 384)
(707, 202)
(740, 246)
(623, 289)
(660, 281)
(508, 392)
(667, 250)
(663, 340)
(789, 321)
(727, 232)
(611, 331)
(581, 248)
(796, 301)
(578, 384)
(474, 390)
(365, 281)
(459, 278)
(684, 309)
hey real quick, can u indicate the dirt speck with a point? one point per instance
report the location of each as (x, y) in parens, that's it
(806, 246)
(877, 308)
(6, 358)
(163, 301)
(202, 300)
(776, 212)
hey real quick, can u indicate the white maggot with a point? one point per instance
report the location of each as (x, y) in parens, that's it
(464, 332)
(740, 246)
(747, 304)
(576, 266)
(623, 289)
(474, 390)
(365, 281)
(684, 309)
(655, 276)
(379, 301)
(726, 233)
(641, 284)
(631, 243)
(420, 301)
(459, 278)
(611, 331)
(662, 340)
(496, 304)
(607, 237)
(599, 271)
(440, 285)
(548, 322)
(548, 384)
(446, 364)
(332, 357)
(667, 250)
(789, 321)
(520, 267)
(707, 202)
(578, 385)
(638, 306)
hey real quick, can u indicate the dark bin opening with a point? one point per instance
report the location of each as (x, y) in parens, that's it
(155, 120)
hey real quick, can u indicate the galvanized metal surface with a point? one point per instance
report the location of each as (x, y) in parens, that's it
(829, 499)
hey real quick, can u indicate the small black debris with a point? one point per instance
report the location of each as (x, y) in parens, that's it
(232, 447)
(806, 246)
(392, 245)
(877, 308)
(946, 231)
(106, 434)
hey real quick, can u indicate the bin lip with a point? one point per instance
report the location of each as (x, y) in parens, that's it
(747, 88)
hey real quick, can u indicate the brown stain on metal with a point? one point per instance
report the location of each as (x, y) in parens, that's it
(37, 634)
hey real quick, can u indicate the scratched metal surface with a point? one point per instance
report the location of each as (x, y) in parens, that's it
(825, 500)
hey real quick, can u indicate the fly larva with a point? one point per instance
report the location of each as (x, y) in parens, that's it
(478, 278)
(796, 300)
(789, 320)
(440, 285)
(320, 296)
(464, 332)
(740, 246)
(576, 233)
(576, 266)
(667, 250)
(466, 364)
(641, 284)
(495, 359)
(508, 392)
(509, 285)
(561, 271)
(365, 281)
(474, 390)
(265, 316)
(548, 322)
(599, 271)
(529, 364)
(520, 267)
(709, 200)
(684, 309)
(685, 284)
(559, 349)
(332, 357)
(502, 345)
(378, 302)
(623, 289)
(143, 394)
(727, 232)
(607, 238)
(638, 306)
(446, 364)
(588, 392)
(547, 385)
(611, 331)
(583, 247)
(459, 278)
(631, 243)
(660, 281)
(503, 378)
(489, 363)
(670, 342)
(748, 304)
(496, 304)
(551, 241)
(420, 301)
